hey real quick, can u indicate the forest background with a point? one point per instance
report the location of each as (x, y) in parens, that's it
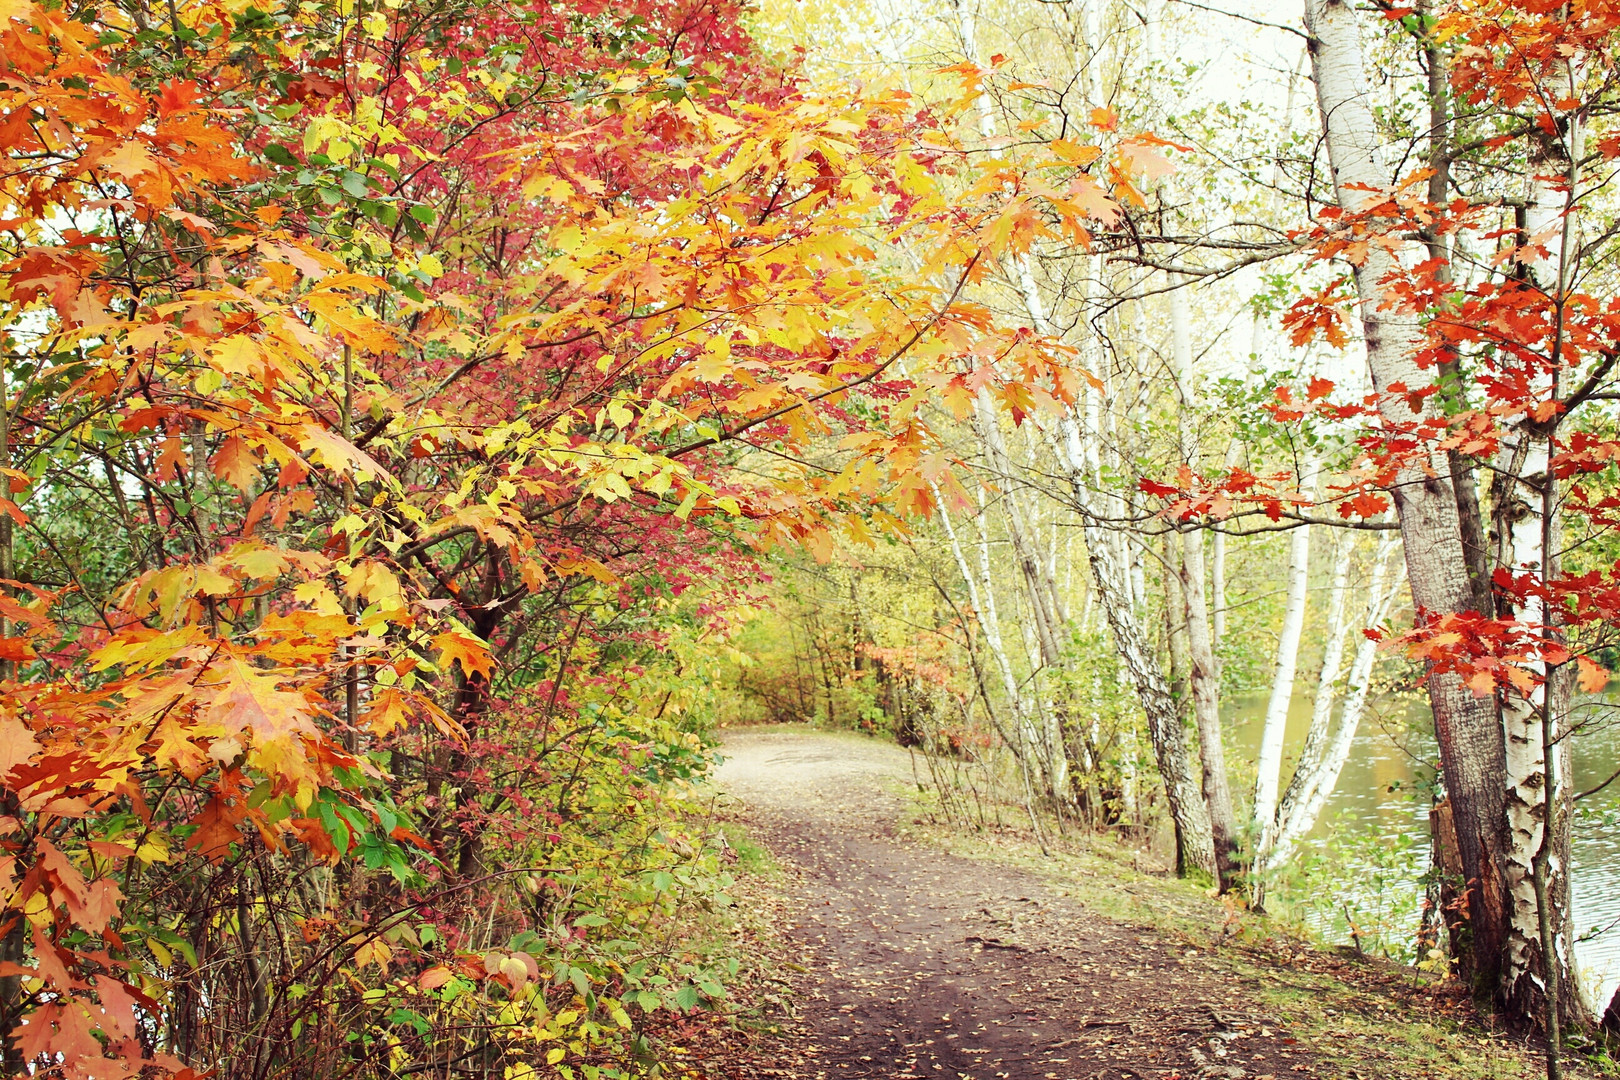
(423, 420)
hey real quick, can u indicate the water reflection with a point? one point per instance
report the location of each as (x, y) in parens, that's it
(1382, 795)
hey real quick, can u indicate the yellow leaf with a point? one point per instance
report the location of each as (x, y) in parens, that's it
(322, 599)
(514, 970)
(471, 653)
(130, 160)
(338, 454)
(212, 583)
(376, 583)
(567, 239)
(1074, 153)
(255, 560)
(236, 355)
(375, 951)
(387, 712)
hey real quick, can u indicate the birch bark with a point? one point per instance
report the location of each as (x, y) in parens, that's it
(1467, 728)
(1274, 733)
(1203, 678)
(1204, 682)
(1318, 771)
(1538, 973)
(1195, 846)
(992, 635)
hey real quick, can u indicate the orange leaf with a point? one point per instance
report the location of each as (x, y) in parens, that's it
(60, 1029)
(1593, 678)
(129, 160)
(387, 713)
(49, 959)
(17, 744)
(434, 977)
(17, 649)
(315, 837)
(216, 831)
(469, 652)
(100, 906)
(236, 464)
(1074, 153)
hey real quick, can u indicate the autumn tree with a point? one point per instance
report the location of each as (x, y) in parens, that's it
(1477, 282)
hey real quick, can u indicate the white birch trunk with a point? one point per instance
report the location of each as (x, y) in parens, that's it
(1520, 512)
(1030, 566)
(1202, 677)
(1274, 733)
(1217, 570)
(993, 639)
(1165, 730)
(1318, 772)
(1537, 788)
(990, 622)
(1338, 625)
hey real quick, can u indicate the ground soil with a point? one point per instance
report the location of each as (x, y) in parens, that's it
(918, 963)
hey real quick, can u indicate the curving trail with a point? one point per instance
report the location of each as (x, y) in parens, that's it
(923, 964)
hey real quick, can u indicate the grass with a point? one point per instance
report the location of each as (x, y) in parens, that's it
(752, 860)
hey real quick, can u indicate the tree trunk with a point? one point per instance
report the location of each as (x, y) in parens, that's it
(1195, 846)
(992, 634)
(1538, 974)
(1274, 733)
(1186, 562)
(1206, 704)
(1467, 728)
(1516, 510)
(1030, 567)
(990, 623)
(1321, 761)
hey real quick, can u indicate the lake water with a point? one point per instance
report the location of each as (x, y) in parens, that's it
(1377, 825)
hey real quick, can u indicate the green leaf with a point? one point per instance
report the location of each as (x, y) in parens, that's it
(280, 155)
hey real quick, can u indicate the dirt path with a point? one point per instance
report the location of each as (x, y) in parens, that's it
(922, 964)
